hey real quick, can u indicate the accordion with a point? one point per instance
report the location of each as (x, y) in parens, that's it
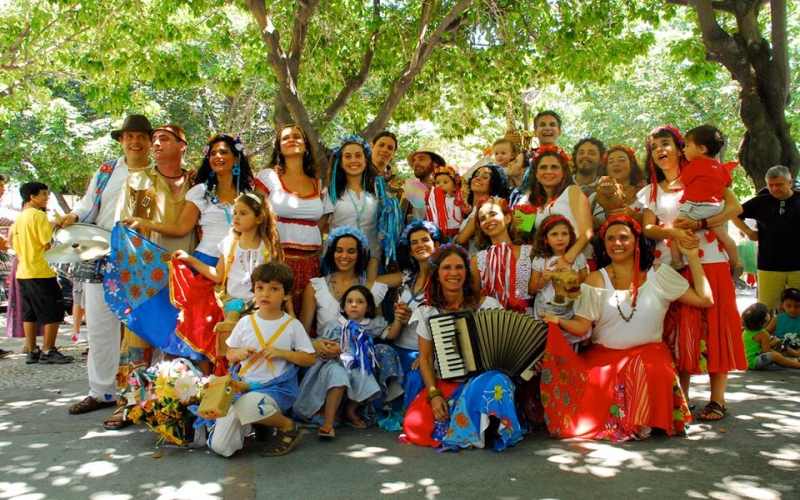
(468, 343)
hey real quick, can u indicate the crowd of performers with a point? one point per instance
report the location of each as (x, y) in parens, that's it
(330, 283)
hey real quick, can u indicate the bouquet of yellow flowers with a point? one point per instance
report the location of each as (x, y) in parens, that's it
(160, 397)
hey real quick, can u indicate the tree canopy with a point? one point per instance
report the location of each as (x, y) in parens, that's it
(331, 67)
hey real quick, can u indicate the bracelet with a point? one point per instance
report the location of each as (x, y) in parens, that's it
(703, 223)
(434, 394)
(564, 258)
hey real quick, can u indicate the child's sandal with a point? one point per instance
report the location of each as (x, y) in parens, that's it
(282, 443)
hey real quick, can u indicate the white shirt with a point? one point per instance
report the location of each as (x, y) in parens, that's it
(293, 338)
(215, 219)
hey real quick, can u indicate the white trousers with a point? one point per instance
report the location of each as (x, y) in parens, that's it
(227, 435)
(103, 335)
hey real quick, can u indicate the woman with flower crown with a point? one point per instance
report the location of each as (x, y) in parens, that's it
(294, 189)
(626, 383)
(417, 243)
(551, 190)
(457, 414)
(357, 197)
(502, 266)
(704, 340)
(344, 264)
(224, 175)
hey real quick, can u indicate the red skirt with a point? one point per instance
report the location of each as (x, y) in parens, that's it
(304, 266)
(611, 394)
(708, 340)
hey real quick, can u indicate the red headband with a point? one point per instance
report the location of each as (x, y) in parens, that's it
(637, 229)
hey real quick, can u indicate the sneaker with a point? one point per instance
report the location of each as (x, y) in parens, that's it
(5, 353)
(54, 357)
(32, 357)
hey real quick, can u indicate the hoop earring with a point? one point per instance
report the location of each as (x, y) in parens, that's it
(236, 170)
(212, 174)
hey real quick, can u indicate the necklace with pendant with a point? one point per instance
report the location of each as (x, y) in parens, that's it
(626, 319)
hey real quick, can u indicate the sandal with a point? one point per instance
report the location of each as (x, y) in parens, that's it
(326, 432)
(282, 444)
(89, 404)
(117, 421)
(712, 412)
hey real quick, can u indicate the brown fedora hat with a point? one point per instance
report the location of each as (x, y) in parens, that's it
(139, 123)
(172, 129)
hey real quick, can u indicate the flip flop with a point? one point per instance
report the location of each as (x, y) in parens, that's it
(327, 433)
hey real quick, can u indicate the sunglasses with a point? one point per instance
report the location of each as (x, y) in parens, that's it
(782, 209)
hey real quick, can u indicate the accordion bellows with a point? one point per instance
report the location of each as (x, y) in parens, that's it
(467, 343)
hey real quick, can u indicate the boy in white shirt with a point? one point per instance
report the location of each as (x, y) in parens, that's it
(270, 345)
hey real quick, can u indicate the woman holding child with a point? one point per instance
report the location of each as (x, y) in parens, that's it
(704, 340)
(456, 414)
(552, 190)
(626, 382)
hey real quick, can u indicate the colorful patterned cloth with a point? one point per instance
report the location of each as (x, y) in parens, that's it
(136, 284)
(194, 295)
(614, 394)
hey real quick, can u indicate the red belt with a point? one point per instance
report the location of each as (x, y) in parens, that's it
(302, 222)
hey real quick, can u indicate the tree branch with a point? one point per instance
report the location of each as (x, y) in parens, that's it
(449, 24)
(357, 81)
(780, 47)
(305, 11)
(278, 60)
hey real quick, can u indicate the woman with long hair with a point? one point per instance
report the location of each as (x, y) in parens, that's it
(704, 340)
(293, 188)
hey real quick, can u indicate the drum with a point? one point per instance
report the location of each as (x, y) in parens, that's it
(81, 232)
(85, 272)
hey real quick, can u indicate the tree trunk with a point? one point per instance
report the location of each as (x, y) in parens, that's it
(762, 74)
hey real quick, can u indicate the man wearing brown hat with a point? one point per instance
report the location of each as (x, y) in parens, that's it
(100, 206)
(422, 162)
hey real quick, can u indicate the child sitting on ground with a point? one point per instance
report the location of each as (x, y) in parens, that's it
(704, 179)
(759, 345)
(786, 325)
(445, 202)
(270, 345)
(353, 372)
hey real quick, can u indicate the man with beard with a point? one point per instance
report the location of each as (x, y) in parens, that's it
(422, 162)
(587, 156)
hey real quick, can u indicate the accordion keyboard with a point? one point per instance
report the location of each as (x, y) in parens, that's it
(448, 355)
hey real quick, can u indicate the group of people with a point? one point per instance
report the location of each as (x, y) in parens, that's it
(345, 273)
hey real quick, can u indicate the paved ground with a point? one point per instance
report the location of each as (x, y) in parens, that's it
(46, 453)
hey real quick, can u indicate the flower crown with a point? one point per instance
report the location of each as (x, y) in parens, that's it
(497, 200)
(352, 139)
(417, 225)
(237, 143)
(446, 171)
(674, 132)
(448, 246)
(346, 231)
(621, 219)
(552, 221)
(618, 147)
(551, 148)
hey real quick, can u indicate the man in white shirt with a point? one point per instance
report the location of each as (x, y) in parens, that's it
(100, 206)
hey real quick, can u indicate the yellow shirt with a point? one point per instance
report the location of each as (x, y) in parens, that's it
(32, 235)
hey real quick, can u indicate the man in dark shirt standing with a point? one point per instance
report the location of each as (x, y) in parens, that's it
(778, 216)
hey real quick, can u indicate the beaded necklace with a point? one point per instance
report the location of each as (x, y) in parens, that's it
(626, 319)
(359, 210)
